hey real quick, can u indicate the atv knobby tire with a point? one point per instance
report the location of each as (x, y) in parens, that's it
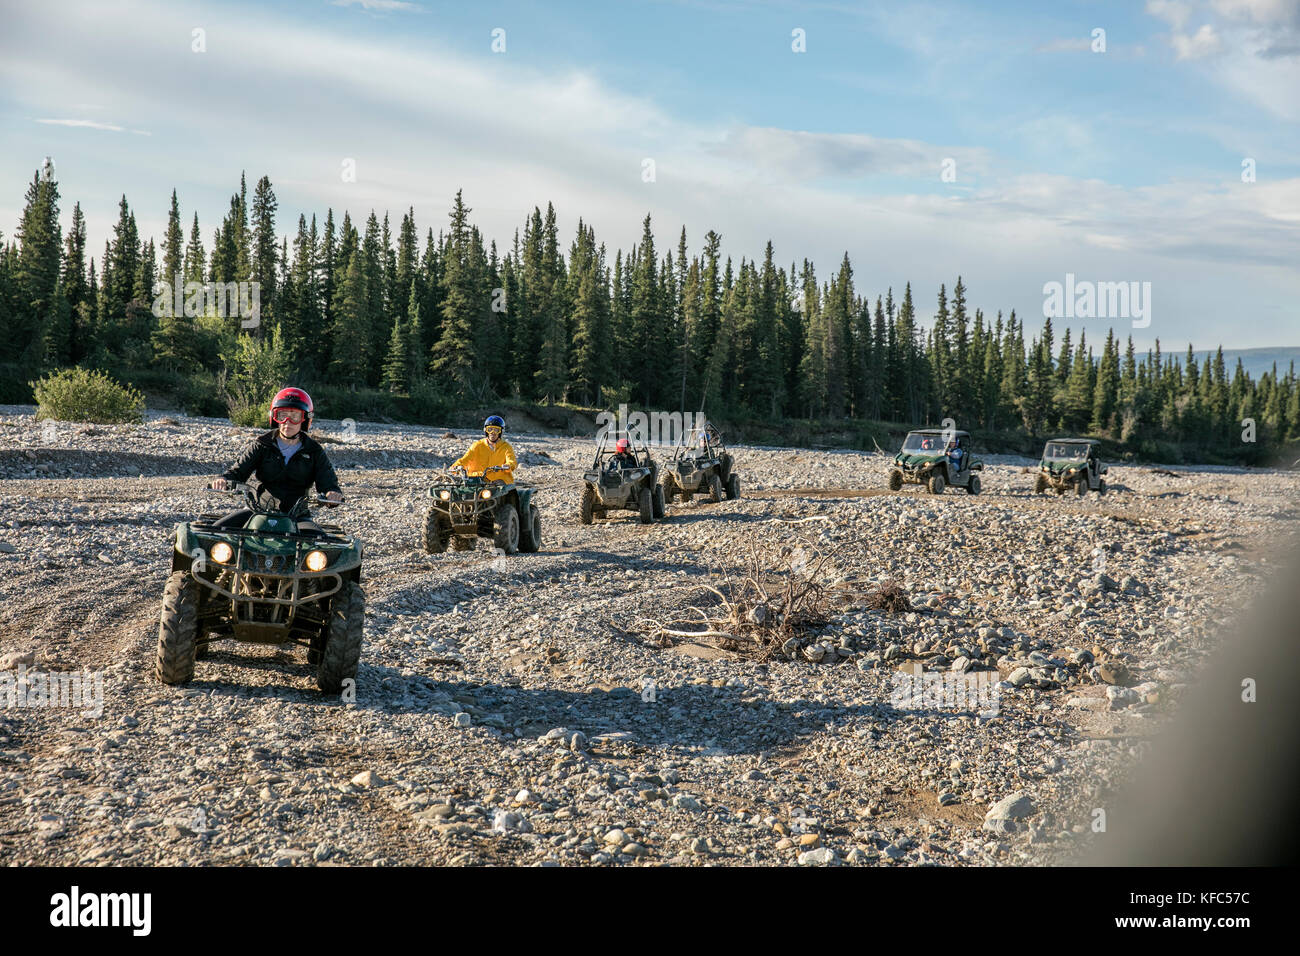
(1040, 484)
(646, 507)
(973, 486)
(669, 488)
(895, 480)
(507, 536)
(1101, 486)
(530, 534)
(660, 507)
(177, 628)
(733, 487)
(342, 651)
(936, 483)
(715, 489)
(588, 506)
(1081, 487)
(437, 531)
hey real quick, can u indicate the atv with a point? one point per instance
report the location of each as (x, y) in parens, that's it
(467, 508)
(702, 465)
(611, 486)
(279, 579)
(1071, 463)
(924, 460)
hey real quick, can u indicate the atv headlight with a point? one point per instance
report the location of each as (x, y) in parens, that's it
(221, 552)
(316, 561)
(445, 495)
(485, 493)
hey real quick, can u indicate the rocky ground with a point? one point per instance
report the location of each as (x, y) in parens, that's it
(519, 710)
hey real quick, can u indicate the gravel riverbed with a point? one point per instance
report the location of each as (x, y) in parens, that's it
(514, 710)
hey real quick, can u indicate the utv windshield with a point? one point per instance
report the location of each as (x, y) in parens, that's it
(1065, 451)
(923, 444)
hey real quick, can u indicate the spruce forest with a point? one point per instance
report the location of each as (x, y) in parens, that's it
(375, 317)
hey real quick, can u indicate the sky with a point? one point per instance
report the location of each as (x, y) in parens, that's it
(1013, 144)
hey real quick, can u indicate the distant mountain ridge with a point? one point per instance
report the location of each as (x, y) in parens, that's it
(1255, 361)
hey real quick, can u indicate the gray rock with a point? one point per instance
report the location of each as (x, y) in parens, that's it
(1002, 816)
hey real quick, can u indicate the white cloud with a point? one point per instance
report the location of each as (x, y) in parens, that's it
(383, 5)
(1204, 42)
(87, 124)
(1173, 12)
(803, 156)
(1260, 11)
(1068, 44)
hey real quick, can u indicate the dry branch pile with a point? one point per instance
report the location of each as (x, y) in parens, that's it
(777, 593)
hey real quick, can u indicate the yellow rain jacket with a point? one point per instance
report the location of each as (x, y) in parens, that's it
(482, 456)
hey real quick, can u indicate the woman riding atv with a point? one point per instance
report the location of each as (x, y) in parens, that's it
(624, 457)
(491, 456)
(286, 461)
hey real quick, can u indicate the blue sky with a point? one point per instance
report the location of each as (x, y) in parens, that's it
(1122, 165)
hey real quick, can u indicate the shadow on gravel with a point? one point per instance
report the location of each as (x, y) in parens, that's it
(684, 717)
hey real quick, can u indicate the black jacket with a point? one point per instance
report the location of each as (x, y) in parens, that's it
(285, 481)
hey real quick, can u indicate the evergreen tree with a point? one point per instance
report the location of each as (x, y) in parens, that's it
(453, 354)
(265, 248)
(77, 292)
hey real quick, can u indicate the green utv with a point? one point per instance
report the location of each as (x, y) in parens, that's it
(465, 509)
(1071, 463)
(279, 579)
(702, 466)
(924, 460)
(611, 486)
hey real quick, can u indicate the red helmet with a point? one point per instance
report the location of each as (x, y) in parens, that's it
(291, 398)
(621, 446)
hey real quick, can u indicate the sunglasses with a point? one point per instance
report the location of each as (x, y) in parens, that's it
(292, 415)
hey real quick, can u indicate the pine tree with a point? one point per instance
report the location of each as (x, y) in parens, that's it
(453, 355)
(1077, 407)
(352, 326)
(399, 354)
(265, 248)
(76, 291)
(32, 339)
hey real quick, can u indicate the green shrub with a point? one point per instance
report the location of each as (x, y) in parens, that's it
(430, 405)
(200, 394)
(81, 395)
(258, 369)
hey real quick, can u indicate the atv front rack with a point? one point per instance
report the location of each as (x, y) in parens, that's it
(254, 578)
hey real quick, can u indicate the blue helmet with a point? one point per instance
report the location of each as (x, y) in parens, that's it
(496, 420)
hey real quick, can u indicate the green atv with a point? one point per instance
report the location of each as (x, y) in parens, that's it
(279, 579)
(610, 486)
(465, 509)
(1071, 463)
(702, 466)
(924, 460)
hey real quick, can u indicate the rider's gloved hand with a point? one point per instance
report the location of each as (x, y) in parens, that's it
(221, 484)
(333, 496)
